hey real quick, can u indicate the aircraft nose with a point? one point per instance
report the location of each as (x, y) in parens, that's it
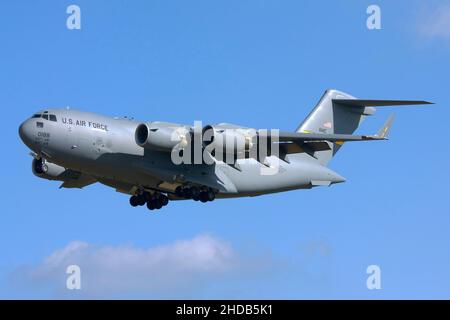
(26, 132)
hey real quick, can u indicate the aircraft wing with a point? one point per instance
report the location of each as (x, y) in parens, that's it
(313, 137)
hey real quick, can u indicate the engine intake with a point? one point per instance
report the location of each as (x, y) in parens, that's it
(160, 137)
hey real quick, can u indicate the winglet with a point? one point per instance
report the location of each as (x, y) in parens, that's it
(384, 131)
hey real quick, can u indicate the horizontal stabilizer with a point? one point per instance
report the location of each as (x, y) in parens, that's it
(378, 103)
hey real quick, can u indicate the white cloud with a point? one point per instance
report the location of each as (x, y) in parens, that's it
(435, 23)
(172, 270)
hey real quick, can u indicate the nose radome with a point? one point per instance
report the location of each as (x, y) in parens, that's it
(25, 132)
(22, 130)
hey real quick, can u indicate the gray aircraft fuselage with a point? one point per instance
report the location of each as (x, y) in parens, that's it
(105, 148)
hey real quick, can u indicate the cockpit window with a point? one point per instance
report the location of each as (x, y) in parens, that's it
(52, 117)
(45, 116)
(37, 115)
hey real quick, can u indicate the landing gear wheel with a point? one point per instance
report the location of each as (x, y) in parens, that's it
(141, 199)
(203, 196)
(151, 205)
(164, 200)
(133, 201)
(179, 192)
(187, 192)
(195, 192)
(158, 204)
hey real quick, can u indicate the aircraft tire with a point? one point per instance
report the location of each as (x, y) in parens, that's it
(141, 200)
(195, 192)
(158, 204)
(187, 193)
(179, 191)
(164, 200)
(203, 196)
(150, 205)
(133, 201)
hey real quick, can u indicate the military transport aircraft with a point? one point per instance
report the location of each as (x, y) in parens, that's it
(155, 162)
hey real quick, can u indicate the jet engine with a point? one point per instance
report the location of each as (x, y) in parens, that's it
(229, 139)
(161, 136)
(47, 170)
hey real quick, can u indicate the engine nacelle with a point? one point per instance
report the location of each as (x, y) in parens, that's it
(228, 139)
(47, 170)
(161, 136)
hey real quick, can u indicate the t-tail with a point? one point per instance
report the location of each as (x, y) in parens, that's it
(338, 113)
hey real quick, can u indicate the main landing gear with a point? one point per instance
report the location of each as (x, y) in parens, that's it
(154, 201)
(157, 200)
(195, 193)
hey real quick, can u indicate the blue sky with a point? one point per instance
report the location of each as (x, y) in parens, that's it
(256, 63)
